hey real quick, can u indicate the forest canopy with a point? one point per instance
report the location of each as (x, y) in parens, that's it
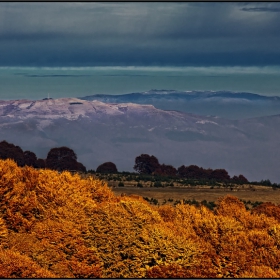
(61, 225)
(64, 158)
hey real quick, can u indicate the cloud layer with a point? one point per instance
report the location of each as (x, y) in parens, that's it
(174, 34)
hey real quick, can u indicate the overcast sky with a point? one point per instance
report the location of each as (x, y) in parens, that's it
(140, 34)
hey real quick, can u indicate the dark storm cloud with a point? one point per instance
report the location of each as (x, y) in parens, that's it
(77, 34)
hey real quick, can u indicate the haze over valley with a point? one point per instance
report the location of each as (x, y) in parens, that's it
(118, 132)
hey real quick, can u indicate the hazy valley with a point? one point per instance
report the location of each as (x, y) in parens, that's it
(118, 132)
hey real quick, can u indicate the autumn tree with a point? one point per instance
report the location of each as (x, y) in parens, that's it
(107, 167)
(63, 158)
(269, 209)
(15, 265)
(47, 215)
(63, 225)
(146, 164)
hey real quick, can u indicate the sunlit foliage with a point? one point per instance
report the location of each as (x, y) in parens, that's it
(60, 225)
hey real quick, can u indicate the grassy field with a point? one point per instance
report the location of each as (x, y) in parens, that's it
(265, 194)
(176, 190)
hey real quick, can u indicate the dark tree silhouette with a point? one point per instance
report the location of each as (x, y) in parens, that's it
(80, 167)
(8, 150)
(146, 164)
(181, 171)
(239, 180)
(165, 170)
(207, 173)
(107, 167)
(234, 179)
(243, 179)
(30, 159)
(193, 172)
(220, 175)
(63, 158)
(41, 163)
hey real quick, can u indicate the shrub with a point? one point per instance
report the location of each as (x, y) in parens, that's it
(158, 184)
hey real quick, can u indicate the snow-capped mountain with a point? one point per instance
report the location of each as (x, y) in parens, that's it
(68, 108)
(226, 104)
(118, 132)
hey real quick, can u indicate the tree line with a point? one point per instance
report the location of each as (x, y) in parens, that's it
(64, 158)
(146, 164)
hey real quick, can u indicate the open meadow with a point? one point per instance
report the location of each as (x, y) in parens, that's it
(170, 191)
(261, 194)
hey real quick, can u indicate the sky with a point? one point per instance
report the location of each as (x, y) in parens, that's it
(73, 34)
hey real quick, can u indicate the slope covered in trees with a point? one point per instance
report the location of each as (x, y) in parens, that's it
(60, 225)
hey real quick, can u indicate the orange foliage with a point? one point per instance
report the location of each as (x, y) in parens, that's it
(15, 265)
(269, 209)
(3, 233)
(48, 215)
(60, 225)
(131, 238)
(230, 206)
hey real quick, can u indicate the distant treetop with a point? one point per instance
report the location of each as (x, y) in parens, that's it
(63, 158)
(146, 164)
(107, 167)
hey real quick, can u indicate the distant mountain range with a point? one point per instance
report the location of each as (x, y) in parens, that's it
(118, 132)
(226, 104)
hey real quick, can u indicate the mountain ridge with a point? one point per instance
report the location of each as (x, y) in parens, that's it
(226, 104)
(101, 132)
(190, 94)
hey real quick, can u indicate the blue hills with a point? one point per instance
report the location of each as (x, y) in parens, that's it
(225, 104)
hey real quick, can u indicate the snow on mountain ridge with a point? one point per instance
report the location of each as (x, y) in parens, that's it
(206, 121)
(46, 112)
(70, 108)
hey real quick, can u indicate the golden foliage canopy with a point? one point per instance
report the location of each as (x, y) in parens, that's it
(61, 225)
